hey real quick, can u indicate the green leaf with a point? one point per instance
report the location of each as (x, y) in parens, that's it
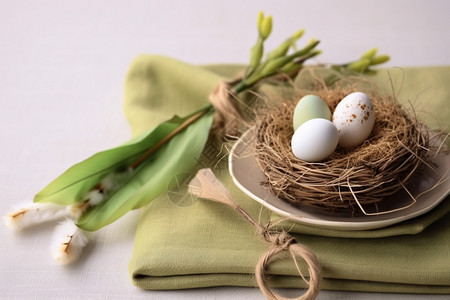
(71, 186)
(153, 177)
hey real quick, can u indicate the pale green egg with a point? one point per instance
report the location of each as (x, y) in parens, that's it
(310, 107)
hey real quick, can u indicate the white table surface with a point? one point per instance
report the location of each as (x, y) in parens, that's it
(62, 69)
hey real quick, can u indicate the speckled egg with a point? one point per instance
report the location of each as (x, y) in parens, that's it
(315, 140)
(310, 107)
(354, 117)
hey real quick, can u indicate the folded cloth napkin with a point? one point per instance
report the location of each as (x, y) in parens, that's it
(194, 243)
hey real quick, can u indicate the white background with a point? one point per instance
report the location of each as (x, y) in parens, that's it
(62, 69)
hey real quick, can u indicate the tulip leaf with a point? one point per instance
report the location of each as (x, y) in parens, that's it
(71, 186)
(152, 178)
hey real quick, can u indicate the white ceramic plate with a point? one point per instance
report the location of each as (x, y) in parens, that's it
(248, 177)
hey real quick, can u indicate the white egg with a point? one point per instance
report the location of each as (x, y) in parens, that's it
(354, 118)
(315, 140)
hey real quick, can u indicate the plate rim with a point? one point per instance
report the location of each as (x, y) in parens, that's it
(357, 224)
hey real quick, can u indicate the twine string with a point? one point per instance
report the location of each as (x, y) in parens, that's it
(224, 100)
(205, 185)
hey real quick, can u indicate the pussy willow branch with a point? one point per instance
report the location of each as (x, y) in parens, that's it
(240, 87)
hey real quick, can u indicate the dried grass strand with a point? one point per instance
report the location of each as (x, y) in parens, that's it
(396, 150)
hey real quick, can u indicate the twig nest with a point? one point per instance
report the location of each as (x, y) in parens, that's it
(379, 167)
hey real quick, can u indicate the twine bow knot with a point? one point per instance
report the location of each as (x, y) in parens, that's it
(279, 239)
(206, 185)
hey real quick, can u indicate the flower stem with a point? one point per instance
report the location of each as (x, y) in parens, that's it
(158, 145)
(240, 87)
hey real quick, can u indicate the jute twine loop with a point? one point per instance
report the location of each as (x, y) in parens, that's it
(225, 103)
(282, 241)
(206, 185)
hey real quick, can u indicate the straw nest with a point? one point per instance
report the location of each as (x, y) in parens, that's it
(350, 178)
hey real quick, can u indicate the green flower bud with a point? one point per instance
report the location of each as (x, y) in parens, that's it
(310, 46)
(283, 48)
(360, 65)
(291, 67)
(379, 59)
(265, 27)
(309, 55)
(370, 54)
(256, 53)
(275, 64)
(259, 20)
(298, 34)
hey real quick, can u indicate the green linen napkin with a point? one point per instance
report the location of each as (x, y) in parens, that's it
(179, 246)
